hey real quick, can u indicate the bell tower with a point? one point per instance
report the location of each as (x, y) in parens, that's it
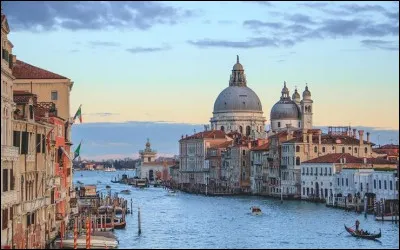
(306, 110)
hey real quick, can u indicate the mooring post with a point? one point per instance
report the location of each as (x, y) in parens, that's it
(139, 222)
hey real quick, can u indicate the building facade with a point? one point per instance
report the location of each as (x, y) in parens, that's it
(9, 153)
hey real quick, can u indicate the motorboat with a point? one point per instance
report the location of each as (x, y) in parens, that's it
(171, 192)
(255, 210)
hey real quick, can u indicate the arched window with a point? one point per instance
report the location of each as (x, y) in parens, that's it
(355, 150)
(366, 150)
(315, 149)
(248, 130)
(222, 128)
(297, 161)
(297, 148)
(241, 129)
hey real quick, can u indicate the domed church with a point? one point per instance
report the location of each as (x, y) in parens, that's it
(238, 108)
(292, 112)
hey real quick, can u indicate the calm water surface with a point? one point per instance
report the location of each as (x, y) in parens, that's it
(197, 221)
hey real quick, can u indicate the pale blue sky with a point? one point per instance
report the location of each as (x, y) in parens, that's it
(347, 52)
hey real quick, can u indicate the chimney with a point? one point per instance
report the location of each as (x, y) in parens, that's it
(310, 138)
(304, 135)
(368, 137)
(319, 136)
(361, 137)
(354, 132)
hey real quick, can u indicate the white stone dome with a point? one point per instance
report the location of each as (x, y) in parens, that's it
(237, 98)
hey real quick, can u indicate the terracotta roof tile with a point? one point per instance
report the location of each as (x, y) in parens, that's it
(263, 147)
(335, 158)
(212, 134)
(23, 70)
(222, 145)
(331, 139)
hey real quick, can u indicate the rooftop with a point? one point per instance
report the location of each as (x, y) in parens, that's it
(23, 70)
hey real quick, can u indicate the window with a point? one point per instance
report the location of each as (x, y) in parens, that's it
(304, 191)
(16, 139)
(361, 187)
(297, 161)
(38, 141)
(297, 148)
(222, 128)
(391, 185)
(244, 152)
(366, 150)
(31, 112)
(343, 149)
(5, 219)
(311, 171)
(342, 181)
(307, 170)
(326, 171)
(347, 182)
(333, 148)
(380, 186)
(5, 180)
(241, 129)
(384, 184)
(12, 180)
(279, 124)
(330, 171)
(243, 163)
(25, 142)
(374, 184)
(350, 148)
(315, 149)
(54, 95)
(355, 150)
(248, 130)
(338, 181)
(323, 149)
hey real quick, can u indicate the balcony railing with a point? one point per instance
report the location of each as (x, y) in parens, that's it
(33, 205)
(9, 153)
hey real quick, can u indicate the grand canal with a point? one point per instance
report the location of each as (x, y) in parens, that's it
(197, 221)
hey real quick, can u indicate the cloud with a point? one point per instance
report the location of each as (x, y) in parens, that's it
(381, 44)
(250, 43)
(265, 3)
(314, 4)
(300, 18)
(103, 43)
(82, 15)
(136, 50)
(257, 24)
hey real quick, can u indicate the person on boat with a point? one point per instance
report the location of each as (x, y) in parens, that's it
(357, 225)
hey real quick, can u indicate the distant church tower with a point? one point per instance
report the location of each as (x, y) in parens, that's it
(148, 155)
(306, 109)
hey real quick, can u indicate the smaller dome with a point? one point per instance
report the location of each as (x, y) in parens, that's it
(237, 65)
(306, 92)
(295, 95)
(285, 110)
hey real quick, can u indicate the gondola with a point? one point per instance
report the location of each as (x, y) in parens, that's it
(363, 236)
(115, 181)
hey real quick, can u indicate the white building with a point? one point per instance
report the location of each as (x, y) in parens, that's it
(385, 184)
(238, 108)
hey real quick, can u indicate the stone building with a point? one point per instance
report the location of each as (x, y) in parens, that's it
(238, 108)
(194, 172)
(259, 155)
(9, 153)
(151, 169)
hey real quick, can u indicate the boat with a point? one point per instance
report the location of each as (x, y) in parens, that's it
(368, 236)
(119, 223)
(96, 242)
(255, 210)
(108, 169)
(126, 191)
(171, 192)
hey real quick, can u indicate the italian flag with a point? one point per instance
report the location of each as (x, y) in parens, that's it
(78, 114)
(77, 151)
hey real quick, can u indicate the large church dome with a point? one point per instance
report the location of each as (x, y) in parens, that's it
(235, 98)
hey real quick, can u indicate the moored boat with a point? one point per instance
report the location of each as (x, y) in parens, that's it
(171, 192)
(126, 191)
(363, 235)
(255, 210)
(119, 223)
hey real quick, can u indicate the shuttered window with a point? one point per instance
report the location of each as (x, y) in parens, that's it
(5, 219)
(38, 140)
(5, 180)
(24, 144)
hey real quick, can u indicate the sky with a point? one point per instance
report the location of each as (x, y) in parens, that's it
(166, 62)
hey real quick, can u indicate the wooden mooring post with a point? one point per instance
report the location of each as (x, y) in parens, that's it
(139, 222)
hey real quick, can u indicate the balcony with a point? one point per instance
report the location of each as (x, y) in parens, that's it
(30, 206)
(9, 153)
(9, 198)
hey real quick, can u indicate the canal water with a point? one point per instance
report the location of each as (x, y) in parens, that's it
(198, 221)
